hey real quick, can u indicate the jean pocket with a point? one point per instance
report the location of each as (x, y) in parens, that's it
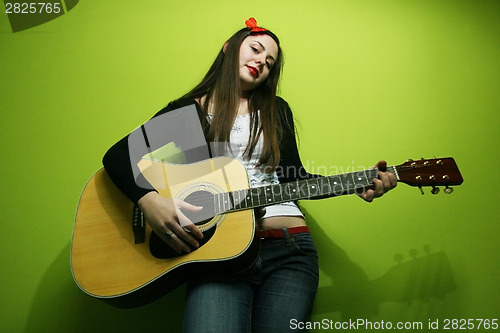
(305, 245)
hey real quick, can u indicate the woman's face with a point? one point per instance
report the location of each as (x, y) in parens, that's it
(258, 54)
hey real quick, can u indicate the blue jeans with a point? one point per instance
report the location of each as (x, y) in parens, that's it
(280, 286)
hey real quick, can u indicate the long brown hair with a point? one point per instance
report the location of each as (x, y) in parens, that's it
(221, 91)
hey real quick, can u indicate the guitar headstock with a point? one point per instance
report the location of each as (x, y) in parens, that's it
(433, 172)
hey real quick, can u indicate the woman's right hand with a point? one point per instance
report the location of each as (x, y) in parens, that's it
(165, 217)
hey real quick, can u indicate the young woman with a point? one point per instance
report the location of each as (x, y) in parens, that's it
(237, 104)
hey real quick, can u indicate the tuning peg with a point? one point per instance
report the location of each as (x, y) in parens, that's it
(448, 190)
(421, 191)
(435, 190)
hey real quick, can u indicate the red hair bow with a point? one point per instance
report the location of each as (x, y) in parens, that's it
(252, 23)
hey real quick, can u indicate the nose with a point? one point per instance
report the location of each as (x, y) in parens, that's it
(260, 59)
(260, 64)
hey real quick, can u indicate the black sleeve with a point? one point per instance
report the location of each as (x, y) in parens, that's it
(119, 164)
(291, 167)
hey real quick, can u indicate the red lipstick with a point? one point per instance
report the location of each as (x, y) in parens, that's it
(253, 71)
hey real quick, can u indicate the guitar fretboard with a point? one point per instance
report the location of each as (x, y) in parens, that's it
(336, 185)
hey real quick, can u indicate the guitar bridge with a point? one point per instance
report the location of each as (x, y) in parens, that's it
(138, 226)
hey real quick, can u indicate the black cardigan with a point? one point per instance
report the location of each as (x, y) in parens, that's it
(118, 165)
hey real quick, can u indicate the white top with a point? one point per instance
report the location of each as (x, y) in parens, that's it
(239, 138)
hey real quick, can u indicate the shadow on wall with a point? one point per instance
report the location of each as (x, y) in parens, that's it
(425, 278)
(60, 306)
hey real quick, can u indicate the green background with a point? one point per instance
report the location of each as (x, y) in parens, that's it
(367, 80)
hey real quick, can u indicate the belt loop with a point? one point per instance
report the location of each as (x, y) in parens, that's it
(286, 233)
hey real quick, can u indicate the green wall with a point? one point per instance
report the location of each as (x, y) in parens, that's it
(367, 80)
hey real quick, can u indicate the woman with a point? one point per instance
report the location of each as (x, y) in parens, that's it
(237, 104)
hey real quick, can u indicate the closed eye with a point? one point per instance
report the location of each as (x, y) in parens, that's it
(257, 51)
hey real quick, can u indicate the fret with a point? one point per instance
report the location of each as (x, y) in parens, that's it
(237, 199)
(264, 192)
(286, 192)
(324, 186)
(268, 194)
(238, 204)
(263, 196)
(303, 189)
(229, 201)
(294, 190)
(219, 209)
(226, 205)
(330, 189)
(314, 188)
(347, 182)
(271, 193)
(337, 187)
(367, 178)
(256, 197)
(246, 198)
(261, 200)
(215, 204)
(359, 179)
(222, 202)
(250, 197)
(309, 188)
(277, 191)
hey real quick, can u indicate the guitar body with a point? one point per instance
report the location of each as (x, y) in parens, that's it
(106, 263)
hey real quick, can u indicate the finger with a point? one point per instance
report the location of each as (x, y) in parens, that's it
(389, 181)
(188, 226)
(193, 230)
(170, 235)
(368, 195)
(393, 180)
(378, 188)
(188, 206)
(381, 165)
(168, 238)
(386, 183)
(187, 231)
(177, 243)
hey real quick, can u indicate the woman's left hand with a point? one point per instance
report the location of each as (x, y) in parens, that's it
(385, 183)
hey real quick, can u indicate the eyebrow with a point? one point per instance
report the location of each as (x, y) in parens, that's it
(264, 48)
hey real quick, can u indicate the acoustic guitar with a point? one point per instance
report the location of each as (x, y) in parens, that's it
(108, 264)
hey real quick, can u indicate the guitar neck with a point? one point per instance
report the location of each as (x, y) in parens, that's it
(347, 183)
